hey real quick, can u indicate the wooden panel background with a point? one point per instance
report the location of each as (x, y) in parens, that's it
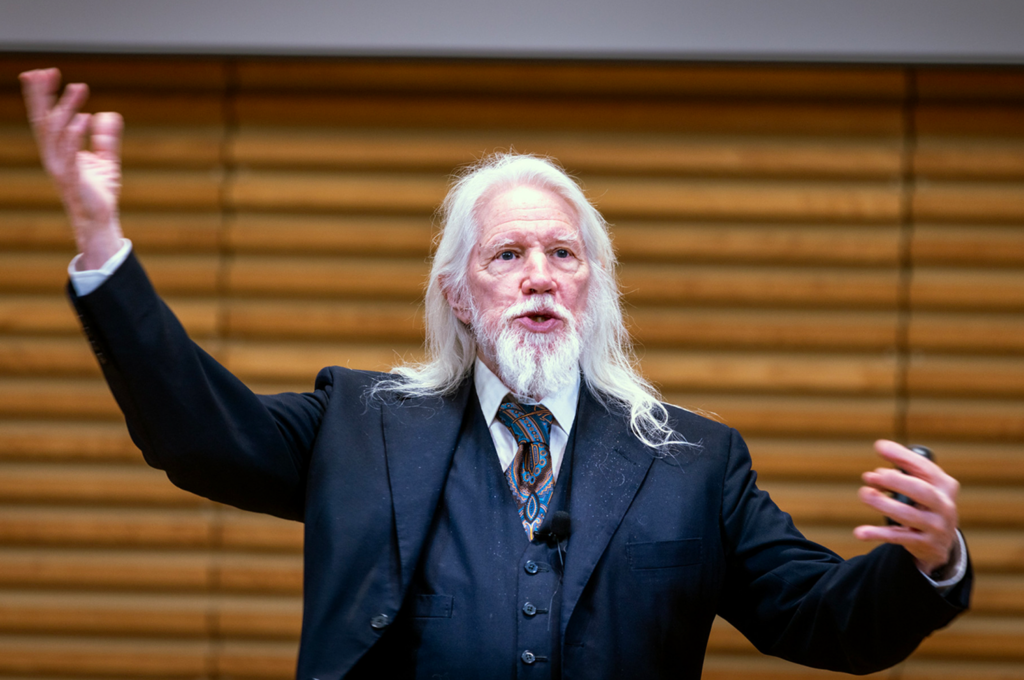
(818, 255)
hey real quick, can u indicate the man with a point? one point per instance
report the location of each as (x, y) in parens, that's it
(519, 505)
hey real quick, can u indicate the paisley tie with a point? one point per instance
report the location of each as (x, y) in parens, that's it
(530, 475)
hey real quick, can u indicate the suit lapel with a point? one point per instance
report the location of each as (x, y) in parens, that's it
(609, 464)
(420, 436)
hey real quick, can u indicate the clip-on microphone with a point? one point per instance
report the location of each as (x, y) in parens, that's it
(555, 529)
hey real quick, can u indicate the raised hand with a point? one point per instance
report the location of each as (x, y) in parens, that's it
(89, 181)
(928, 528)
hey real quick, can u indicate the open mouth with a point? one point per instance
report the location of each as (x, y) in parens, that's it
(538, 316)
(540, 321)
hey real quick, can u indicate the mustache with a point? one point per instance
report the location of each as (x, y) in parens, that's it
(543, 304)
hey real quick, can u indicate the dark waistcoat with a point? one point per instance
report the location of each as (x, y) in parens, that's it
(485, 600)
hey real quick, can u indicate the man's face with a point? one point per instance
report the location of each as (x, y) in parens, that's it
(528, 271)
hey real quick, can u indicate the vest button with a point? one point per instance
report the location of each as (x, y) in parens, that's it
(528, 657)
(531, 567)
(380, 622)
(529, 609)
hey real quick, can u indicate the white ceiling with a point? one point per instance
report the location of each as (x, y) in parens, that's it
(958, 31)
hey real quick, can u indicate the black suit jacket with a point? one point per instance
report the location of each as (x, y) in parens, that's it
(660, 544)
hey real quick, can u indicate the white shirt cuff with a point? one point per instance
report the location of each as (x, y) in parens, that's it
(956, 572)
(85, 282)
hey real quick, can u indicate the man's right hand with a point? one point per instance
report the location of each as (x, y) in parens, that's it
(89, 181)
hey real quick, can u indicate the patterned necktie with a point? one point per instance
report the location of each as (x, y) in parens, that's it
(530, 475)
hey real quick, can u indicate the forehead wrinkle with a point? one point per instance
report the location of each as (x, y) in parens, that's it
(522, 208)
(508, 217)
(547, 217)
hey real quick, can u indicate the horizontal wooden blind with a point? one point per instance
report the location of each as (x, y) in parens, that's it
(817, 256)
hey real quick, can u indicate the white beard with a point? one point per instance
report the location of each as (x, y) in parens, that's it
(532, 365)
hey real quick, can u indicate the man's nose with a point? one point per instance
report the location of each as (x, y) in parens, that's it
(537, 276)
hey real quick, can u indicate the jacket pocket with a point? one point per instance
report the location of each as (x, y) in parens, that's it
(663, 554)
(432, 606)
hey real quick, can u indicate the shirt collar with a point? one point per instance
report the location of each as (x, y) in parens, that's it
(490, 391)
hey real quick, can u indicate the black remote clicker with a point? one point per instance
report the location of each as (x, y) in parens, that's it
(920, 450)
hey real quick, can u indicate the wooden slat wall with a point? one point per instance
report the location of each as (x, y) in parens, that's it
(818, 255)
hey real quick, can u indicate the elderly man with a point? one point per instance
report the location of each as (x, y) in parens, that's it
(521, 504)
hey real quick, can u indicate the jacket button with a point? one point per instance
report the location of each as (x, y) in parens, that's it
(531, 567)
(528, 657)
(380, 622)
(529, 609)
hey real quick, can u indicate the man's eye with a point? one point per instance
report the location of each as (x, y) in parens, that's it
(506, 255)
(562, 252)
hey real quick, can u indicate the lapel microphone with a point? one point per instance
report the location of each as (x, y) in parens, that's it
(555, 530)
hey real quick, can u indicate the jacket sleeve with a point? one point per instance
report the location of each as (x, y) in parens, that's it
(800, 601)
(188, 414)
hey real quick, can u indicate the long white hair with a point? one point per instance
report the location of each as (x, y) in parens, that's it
(607, 361)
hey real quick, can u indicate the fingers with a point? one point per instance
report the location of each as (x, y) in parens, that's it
(916, 466)
(68, 146)
(922, 492)
(905, 459)
(88, 180)
(106, 135)
(39, 88)
(56, 124)
(53, 120)
(924, 518)
(928, 554)
(67, 107)
(928, 528)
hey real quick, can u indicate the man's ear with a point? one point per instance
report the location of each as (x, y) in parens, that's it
(457, 304)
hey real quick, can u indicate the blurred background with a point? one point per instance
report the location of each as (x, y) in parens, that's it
(818, 209)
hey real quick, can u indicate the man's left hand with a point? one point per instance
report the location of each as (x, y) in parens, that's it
(928, 528)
